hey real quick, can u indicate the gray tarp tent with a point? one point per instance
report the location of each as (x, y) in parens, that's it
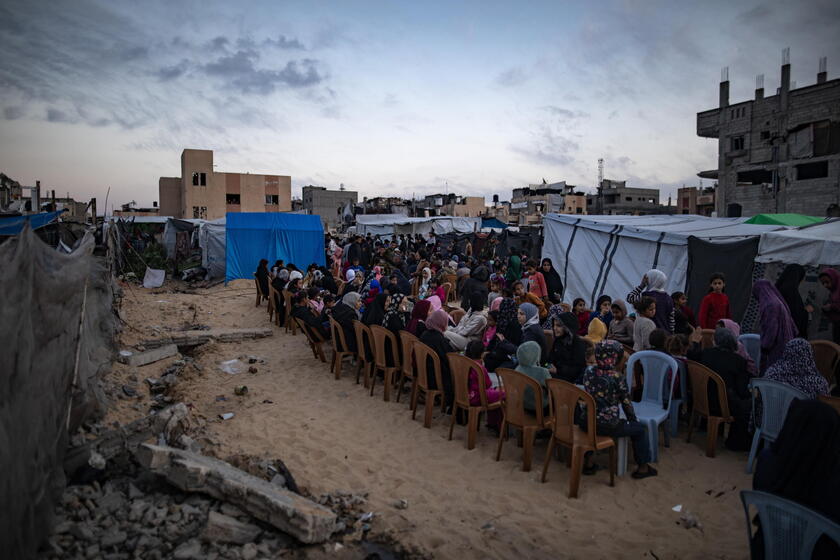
(211, 240)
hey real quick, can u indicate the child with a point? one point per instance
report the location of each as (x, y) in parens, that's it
(490, 331)
(582, 314)
(527, 297)
(621, 326)
(684, 321)
(494, 417)
(602, 310)
(715, 306)
(644, 325)
(536, 283)
(435, 289)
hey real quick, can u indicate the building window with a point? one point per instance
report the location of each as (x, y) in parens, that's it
(628, 199)
(195, 180)
(736, 143)
(203, 179)
(765, 135)
(232, 198)
(579, 210)
(272, 199)
(200, 212)
(817, 170)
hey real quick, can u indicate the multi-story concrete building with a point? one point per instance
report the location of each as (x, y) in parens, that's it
(540, 199)
(779, 153)
(691, 200)
(201, 192)
(464, 207)
(615, 197)
(327, 204)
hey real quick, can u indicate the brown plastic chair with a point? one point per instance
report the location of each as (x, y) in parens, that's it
(291, 324)
(381, 338)
(315, 340)
(422, 353)
(460, 367)
(457, 315)
(273, 305)
(708, 339)
(452, 280)
(364, 347)
(549, 338)
(827, 356)
(515, 415)
(260, 294)
(628, 350)
(447, 292)
(699, 377)
(339, 341)
(833, 402)
(563, 398)
(407, 341)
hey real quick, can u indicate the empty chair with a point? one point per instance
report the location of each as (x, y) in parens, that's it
(452, 280)
(383, 340)
(752, 344)
(563, 399)
(460, 368)
(701, 376)
(656, 391)
(827, 356)
(364, 351)
(515, 384)
(775, 401)
(407, 372)
(789, 530)
(447, 293)
(315, 340)
(424, 358)
(457, 314)
(341, 350)
(708, 339)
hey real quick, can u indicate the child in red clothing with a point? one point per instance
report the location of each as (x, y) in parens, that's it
(494, 417)
(715, 306)
(582, 314)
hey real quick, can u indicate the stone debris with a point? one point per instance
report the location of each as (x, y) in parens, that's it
(198, 337)
(224, 528)
(150, 356)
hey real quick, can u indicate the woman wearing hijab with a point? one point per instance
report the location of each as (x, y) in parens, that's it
(475, 284)
(418, 315)
(528, 355)
(775, 323)
(434, 303)
(567, 358)
(425, 277)
(609, 389)
(294, 275)
(752, 367)
(552, 281)
(797, 368)
(470, 327)
(433, 337)
(374, 289)
(653, 286)
(394, 319)
(514, 270)
(529, 318)
(597, 331)
(375, 312)
(830, 279)
(345, 312)
(262, 277)
(502, 347)
(788, 286)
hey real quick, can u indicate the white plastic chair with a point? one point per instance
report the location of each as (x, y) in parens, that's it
(789, 530)
(649, 410)
(752, 344)
(775, 401)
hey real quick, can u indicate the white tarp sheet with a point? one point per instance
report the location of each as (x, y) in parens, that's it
(814, 245)
(387, 224)
(211, 239)
(597, 255)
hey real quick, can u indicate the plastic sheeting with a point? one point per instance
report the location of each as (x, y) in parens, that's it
(170, 231)
(14, 224)
(809, 246)
(211, 240)
(251, 236)
(735, 260)
(388, 224)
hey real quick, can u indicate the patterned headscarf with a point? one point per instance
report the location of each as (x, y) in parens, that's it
(607, 355)
(554, 312)
(507, 315)
(797, 367)
(394, 318)
(497, 302)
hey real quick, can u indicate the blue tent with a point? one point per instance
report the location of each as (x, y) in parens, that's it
(251, 236)
(493, 223)
(14, 224)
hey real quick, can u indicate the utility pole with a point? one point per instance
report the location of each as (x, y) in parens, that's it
(600, 186)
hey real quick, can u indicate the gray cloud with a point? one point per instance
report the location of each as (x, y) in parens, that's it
(511, 77)
(12, 113)
(171, 72)
(57, 116)
(240, 72)
(565, 114)
(283, 42)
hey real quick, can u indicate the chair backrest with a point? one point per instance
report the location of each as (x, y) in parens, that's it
(287, 301)
(549, 338)
(708, 339)
(515, 385)
(364, 340)
(628, 350)
(833, 402)
(259, 288)
(381, 337)
(338, 340)
(447, 290)
(460, 368)
(457, 315)
(700, 377)
(452, 280)
(655, 367)
(789, 530)
(423, 354)
(826, 354)
(407, 341)
(563, 399)
(752, 344)
(775, 401)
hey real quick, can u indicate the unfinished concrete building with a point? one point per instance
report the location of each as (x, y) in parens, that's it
(328, 204)
(779, 153)
(615, 198)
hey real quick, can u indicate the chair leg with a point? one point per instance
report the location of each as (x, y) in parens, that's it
(373, 370)
(339, 361)
(472, 427)
(547, 458)
(430, 406)
(502, 432)
(415, 396)
(452, 423)
(400, 385)
(613, 464)
(528, 445)
(691, 420)
(712, 436)
(389, 381)
(753, 450)
(577, 470)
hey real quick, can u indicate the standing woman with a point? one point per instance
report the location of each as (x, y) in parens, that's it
(788, 286)
(653, 286)
(262, 277)
(776, 326)
(552, 281)
(830, 279)
(514, 270)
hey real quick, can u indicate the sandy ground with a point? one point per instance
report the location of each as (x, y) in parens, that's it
(461, 504)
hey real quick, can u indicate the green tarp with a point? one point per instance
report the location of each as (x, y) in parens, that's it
(796, 220)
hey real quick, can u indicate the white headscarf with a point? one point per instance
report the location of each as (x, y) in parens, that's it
(293, 275)
(656, 280)
(350, 275)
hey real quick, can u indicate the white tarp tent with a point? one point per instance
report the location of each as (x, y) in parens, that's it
(211, 239)
(609, 254)
(170, 231)
(389, 224)
(814, 245)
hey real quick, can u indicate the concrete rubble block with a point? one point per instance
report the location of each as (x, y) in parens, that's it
(224, 528)
(195, 338)
(150, 356)
(293, 514)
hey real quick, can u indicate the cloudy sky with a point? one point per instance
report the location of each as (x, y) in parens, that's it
(386, 97)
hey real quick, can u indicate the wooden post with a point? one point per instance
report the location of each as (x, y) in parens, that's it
(93, 210)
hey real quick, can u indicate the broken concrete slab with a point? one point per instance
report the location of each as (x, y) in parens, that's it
(150, 356)
(224, 528)
(293, 514)
(196, 338)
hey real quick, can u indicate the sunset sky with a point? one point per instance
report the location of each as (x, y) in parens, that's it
(389, 98)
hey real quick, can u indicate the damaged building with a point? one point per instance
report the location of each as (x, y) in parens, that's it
(778, 153)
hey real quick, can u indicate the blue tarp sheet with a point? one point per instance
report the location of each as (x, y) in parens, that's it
(14, 225)
(493, 223)
(251, 236)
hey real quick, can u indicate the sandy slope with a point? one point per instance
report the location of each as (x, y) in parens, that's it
(461, 503)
